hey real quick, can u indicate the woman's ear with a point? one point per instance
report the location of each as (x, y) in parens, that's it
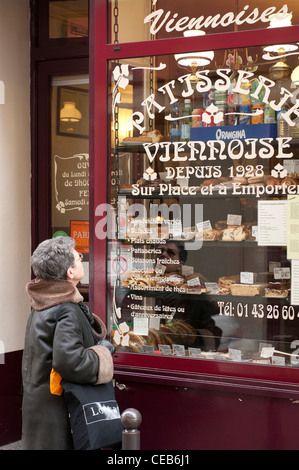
(70, 274)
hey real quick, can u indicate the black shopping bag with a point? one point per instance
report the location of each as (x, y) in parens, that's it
(94, 415)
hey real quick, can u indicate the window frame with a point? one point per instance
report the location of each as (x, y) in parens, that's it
(101, 54)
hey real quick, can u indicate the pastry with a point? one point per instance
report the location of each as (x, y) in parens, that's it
(193, 279)
(221, 225)
(136, 342)
(147, 136)
(141, 281)
(225, 282)
(271, 181)
(247, 289)
(288, 181)
(256, 179)
(281, 293)
(240, 180)
(234, 233)
(277, 289)
(174, 280)
(208, 235)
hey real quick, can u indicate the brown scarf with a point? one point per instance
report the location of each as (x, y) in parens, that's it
(47, 293)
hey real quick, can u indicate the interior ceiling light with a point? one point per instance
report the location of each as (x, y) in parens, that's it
(281, 70)
(194, 59)
(295, 76)
(69, 112)
(280, 20)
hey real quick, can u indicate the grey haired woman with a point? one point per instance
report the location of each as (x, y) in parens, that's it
(62, 334)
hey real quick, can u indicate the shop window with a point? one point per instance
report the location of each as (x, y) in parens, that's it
(162, 19)
(202, 214)
(70, 162)
(68, 19)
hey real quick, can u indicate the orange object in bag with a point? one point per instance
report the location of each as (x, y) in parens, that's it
(55, 387)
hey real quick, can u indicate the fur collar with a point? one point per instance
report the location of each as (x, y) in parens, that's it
(47, 293)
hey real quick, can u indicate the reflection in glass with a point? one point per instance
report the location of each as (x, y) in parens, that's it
(68, 19)
(164, 19)
(70, 163)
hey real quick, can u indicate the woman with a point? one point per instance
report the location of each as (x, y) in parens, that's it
(62, 334)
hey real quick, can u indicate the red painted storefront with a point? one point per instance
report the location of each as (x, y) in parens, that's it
(185, 403)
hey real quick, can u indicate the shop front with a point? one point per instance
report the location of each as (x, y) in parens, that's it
(194, 216)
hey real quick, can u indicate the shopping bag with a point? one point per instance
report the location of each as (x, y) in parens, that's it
(55, 386)
(94, 415)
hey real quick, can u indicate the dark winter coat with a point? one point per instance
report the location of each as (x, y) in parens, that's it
(70, 347)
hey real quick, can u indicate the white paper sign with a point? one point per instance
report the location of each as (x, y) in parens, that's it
(178, 350)
(246, 278)
(273, 265)
(272, 223)
(154, 323)
(165, 349)
(295, 282)
(282, 273)
(212, 287)
(278, 360)
(187, 270)
(267, 352)
(176, 230)
(206, 225)
(160, 268)
(235, 354)
(140, 326)
(193, 282)
(293, 227)
(233, 219)
(194, 352)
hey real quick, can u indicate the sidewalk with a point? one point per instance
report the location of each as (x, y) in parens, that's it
(12, 446)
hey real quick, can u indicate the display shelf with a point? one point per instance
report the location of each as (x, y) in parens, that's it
(228, 133)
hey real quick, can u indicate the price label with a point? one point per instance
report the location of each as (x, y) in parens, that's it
(282, 273)
(146, 348)
(140, 326)
(203, 226)
(187, 270)
(267, 352)
(178, 350)
(278, 360)
(235, 354)
(165, 349)
(212, 287)
(274, 265)
(193, 282)
(233, 219)
(194, 352)
(246, 278)
(160, 269)
(176, 230)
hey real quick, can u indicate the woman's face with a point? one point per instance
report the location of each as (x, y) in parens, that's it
(76, 272)
(169, 257)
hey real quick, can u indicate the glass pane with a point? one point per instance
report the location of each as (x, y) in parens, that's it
(203, 248)
(68, 19)
(160, 19)
(70, 162)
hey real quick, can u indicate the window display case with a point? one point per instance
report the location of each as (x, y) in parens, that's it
(204, 196)
(197, 223)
